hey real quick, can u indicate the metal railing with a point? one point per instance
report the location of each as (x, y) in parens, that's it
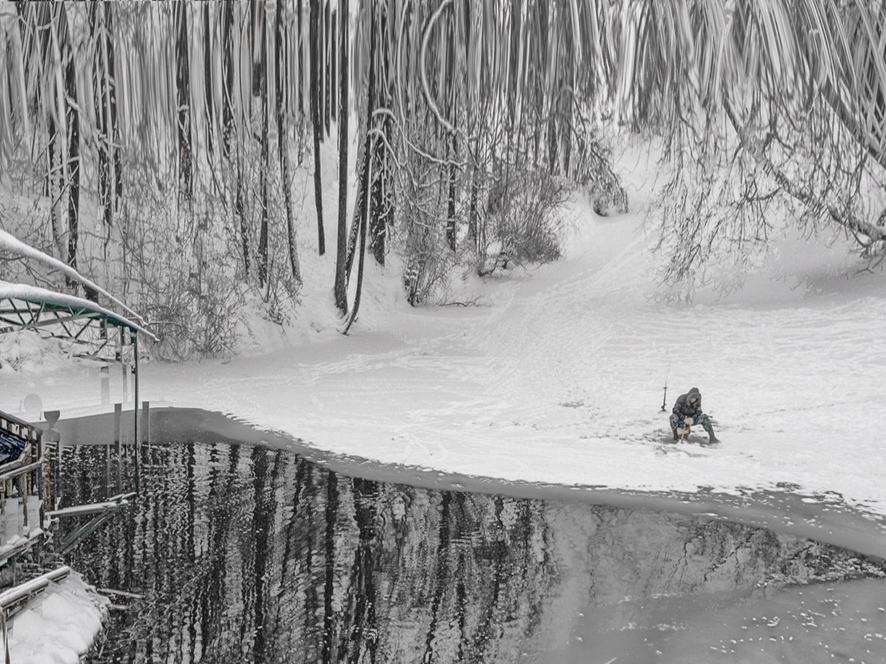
(26, 476)
(16, 598)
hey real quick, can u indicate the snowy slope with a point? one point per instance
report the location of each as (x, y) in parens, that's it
(555, 374)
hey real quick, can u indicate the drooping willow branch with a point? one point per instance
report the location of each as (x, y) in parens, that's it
(816, 205)
(424, 69)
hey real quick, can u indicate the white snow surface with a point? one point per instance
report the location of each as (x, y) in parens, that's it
(555, 373)
(557, 376)
(59, 625)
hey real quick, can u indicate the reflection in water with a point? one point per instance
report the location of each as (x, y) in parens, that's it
(254, 555)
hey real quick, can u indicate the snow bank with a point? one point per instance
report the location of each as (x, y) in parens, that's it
(59, 625)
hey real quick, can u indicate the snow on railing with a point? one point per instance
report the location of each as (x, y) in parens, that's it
(15, 596)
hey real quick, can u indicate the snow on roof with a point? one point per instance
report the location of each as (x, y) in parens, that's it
(9, 290)
(12, 244)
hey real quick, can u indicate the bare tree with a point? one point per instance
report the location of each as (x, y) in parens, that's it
(183, 91)
(281, 83)
(261, 79)
(340, 287)
(315, 39)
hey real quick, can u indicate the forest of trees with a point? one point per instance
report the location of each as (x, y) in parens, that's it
(156, 147)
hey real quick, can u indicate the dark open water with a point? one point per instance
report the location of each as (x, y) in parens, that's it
(249, 554)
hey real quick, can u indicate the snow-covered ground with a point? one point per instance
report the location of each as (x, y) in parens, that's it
(57, 626)
(556, 373)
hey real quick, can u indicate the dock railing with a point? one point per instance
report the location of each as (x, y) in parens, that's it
(25, 476)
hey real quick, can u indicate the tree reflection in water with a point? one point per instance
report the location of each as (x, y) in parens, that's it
(254, 555)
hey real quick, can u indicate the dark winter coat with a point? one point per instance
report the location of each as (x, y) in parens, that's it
(689, 405)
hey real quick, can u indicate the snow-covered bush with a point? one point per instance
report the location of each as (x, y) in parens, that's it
(525, 226)
(592, 171)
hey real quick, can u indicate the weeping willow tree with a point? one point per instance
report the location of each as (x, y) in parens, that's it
(186, 124)
(489, 106)
(168, 111)
(178, 106)
(769, 111)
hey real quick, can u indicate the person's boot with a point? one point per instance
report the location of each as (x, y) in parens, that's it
(712, 439)
(674, 431)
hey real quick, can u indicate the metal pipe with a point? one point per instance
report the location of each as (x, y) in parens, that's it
(135, 414)
(13, 595)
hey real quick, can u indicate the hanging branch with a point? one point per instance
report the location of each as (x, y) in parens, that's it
(813, 203)
(426, 37)
(282, 134)
(315, 120)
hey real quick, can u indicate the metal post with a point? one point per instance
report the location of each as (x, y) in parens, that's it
(52, 435)
(146, 422)
(106, 384)
(135, 411)
(118, 413)
(124, 363)
(24, 488)
(105, 369)
(46, 492)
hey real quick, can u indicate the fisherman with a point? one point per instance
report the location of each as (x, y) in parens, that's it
(687, 411)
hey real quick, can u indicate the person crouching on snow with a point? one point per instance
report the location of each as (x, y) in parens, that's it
(687, 411)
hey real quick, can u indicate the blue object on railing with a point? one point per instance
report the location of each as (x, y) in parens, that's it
(14, 436)
(10, 447)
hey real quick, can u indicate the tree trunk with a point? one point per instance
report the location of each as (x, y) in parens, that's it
(231, 151)
(382, 205)
(43, 17)
(183, 82)
(262, 81)
(73, 121)
(114, 133)
(240, 214)
(340, 288)
(282, 142)
(359, 293)
(381, 210)
(366, 155)
(333, 66)
(228, 68)
(315, 120)
(301, 62)
(359, 205)
(207, 78)
(332, 499)
(328, 47)
(365, 623)
(441, 576)
(553, 158)
(300, 82)
(64, 144)
(473, 231)
(452, 147)
(106, 118)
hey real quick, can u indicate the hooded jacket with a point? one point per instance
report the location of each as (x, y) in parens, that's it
(689, 404)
